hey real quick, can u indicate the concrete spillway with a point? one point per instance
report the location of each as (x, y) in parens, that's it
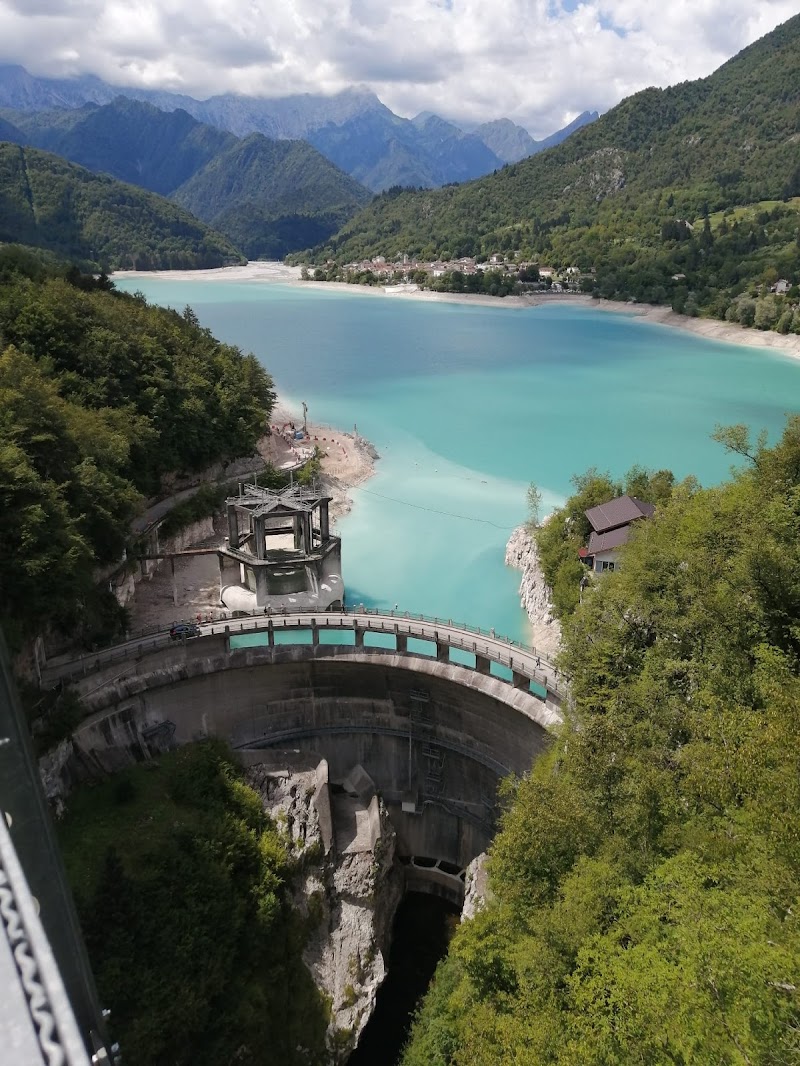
(434, 735)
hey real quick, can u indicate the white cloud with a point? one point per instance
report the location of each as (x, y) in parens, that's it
(537, 61)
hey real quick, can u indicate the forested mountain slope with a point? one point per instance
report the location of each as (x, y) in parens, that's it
(269, 197)
(645, 880)
(100, 395)
(617, 195)
(352, 128)
(128, 139)
(49, 203)
(11, 133)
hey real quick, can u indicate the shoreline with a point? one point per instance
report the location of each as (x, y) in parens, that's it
(272, 272)
(347, 461)
(544, 629)
(711, 329)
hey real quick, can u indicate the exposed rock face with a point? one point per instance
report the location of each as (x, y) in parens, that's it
(476, 887)
(348, 955)
(221, 471)
(351, 892)
(288, 798)
(52, 772)
(521, 553)
(124, 581)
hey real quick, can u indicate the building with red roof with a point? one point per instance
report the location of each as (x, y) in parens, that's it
(611, 526)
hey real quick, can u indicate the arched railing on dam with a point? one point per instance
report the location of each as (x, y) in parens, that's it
(403, 633)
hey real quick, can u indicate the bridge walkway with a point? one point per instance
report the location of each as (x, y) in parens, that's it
(524, 663)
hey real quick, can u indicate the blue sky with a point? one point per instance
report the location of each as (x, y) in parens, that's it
(539, 62)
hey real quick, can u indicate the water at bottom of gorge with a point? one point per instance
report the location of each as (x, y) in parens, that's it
(422, 930)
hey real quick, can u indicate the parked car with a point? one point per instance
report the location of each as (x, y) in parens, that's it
(181, 630)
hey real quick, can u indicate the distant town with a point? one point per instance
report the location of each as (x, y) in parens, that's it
(497, 274)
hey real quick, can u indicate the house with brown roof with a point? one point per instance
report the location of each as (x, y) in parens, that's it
(611, 526)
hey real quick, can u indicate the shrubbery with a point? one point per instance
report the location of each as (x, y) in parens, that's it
(646, 876)
(182, 887)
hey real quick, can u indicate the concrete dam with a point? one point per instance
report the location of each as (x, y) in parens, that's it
(433, 714)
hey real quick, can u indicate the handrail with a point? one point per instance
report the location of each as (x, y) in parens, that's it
(456, 636)
(227, 617)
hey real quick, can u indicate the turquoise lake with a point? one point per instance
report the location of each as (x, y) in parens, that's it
(468, 404)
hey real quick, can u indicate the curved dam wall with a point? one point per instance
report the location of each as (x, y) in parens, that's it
(434, 737)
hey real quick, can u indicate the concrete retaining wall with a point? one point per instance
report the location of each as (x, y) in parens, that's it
(124, 581)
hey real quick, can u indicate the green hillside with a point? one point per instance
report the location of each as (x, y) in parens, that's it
(48, 203)
(645, 879)
(269, 195)
(616, 196)
(100, 395)
(10, 133)
(185, 893)
(130, 140)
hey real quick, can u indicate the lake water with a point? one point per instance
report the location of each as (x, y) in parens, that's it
(468, 404)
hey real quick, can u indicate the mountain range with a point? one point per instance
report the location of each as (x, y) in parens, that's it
(352, 128)
(627, 196)
(268, 197)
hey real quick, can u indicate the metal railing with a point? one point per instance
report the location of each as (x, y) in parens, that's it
(229, 617)
(528, 661)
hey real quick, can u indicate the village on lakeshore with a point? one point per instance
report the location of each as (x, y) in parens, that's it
(502, 272)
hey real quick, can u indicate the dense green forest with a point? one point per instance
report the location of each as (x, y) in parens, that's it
(271, 196)
(567, 529)
(182, 887)
(11, 133)
(100, 395)
(645, 880)
(651, 190)
(268, 197)
(48, 203)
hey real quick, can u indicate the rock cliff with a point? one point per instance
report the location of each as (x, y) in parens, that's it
(476, 887)
(522, 554)
(348, 886)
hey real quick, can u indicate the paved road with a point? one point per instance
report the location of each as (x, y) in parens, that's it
(519, 658)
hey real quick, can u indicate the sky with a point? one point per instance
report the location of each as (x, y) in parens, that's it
(538, 62)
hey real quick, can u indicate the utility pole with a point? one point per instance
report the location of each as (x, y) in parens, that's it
(305, 419)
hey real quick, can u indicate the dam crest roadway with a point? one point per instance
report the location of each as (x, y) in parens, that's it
(487, 648)
(435, 713)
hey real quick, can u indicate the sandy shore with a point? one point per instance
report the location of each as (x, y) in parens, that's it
(347, 460)
(256, 271)
(279, 273)
(710, 328)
